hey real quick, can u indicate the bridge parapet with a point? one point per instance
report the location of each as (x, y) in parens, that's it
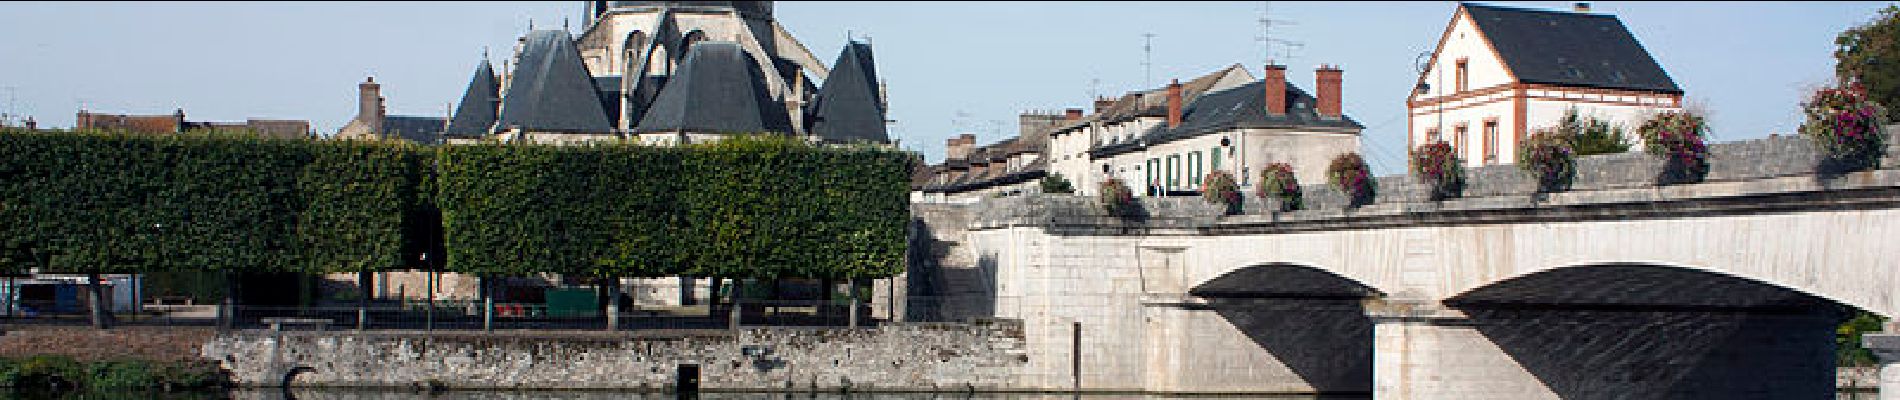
(1742, 175)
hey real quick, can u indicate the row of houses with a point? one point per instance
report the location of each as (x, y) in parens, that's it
(1496, 74)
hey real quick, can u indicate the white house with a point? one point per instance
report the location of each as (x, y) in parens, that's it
(1500, 73)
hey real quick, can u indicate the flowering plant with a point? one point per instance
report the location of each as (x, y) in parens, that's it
(1277, 182)
(1547, 156)
(1348, 172)
(1680, 138)
(1845, 125)
(1438, 165)
(1219, 187)
(1116, 198)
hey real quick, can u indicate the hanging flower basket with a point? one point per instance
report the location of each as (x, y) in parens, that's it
(1681, 139)
(1277, 183)
(1846, 126)
(1348, 173)
(1438, 166)
(1549, 159)
(1116, 199)
(1218, 187)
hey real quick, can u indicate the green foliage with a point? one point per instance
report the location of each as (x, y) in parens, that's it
(118, 202)
(1116, 199)
(1438, 166)
(1869, 55)
(1590, 136)
(1278, 182)
(1845, 125)
(1848, 350)
(746, 207)
(1055, 183)
(110, 375)
(770, 206)
(1219, 187)
(1348, 173)
(1548, 157)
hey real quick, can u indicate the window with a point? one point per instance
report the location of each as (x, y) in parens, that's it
(1153, 175)
(1174, 171)
(1194, 169)
(1214, 154)
(1464, 75)
(1432, 136)
(1491, 141)
(1458, 139)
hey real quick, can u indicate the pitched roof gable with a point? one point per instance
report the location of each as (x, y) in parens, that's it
(718, 88)
(476, 113)
(848, 107)
(551, 90)
(1566, 48)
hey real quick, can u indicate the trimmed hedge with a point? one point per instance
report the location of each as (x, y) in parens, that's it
(745, 207)
(112, 202)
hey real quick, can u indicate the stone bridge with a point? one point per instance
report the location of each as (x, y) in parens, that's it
(1617, 288)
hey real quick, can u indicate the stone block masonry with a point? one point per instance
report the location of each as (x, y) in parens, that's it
(982, 356)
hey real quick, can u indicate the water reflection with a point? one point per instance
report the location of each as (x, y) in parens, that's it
(333, 394)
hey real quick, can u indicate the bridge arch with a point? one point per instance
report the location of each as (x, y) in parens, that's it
(1282, 280)
(1648, 284)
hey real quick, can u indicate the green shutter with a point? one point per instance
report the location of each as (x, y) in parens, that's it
(1215, 152)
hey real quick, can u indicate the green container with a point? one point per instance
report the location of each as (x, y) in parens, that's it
(572, 303)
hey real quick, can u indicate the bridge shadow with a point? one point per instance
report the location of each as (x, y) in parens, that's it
(1310, 320)
(1620, 331)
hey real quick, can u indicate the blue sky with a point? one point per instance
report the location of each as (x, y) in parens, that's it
(952, 67)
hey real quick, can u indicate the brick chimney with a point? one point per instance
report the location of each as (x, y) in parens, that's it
(1327, 79)
(1581, 7)
(959, 147)
(1276, 89)
(369, 104)
(1174, 103)
(1072, 114)
(1103, 103)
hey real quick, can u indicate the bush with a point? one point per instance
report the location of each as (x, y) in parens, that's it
(1219, 187)
(1348, 173)
(1845, 126)
(1869, 55)
(1116, 199)
(1278, 183)
(1055, 183)
(1437, 165)
(1549, 159)
(1680, 138)
(1591, 136)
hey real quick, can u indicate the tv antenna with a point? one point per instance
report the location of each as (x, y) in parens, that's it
(1266, 39)
(1147, 60)
(1095, 88)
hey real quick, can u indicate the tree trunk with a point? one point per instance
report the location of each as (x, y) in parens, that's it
(488, 305)
(101, 312)
(428, 322)
(227, 312)
(712, 295)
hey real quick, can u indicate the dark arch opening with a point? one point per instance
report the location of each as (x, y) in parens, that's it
(1615, 330)
(1310, 320)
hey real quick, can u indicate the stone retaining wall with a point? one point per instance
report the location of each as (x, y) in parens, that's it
(985, 355)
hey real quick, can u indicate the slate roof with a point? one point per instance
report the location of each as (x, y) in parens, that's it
(424, 130)
(1566, 48)
(550, 90)
(718, 88)
(476, 114)
(848, 108)
(1243, 106)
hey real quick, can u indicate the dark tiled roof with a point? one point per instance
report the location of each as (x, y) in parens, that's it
(609, 89)
(847, 108)
(1566, 48)
(550, 90)
(424, 130)
(1239, 107)
(476, 115)
(718, 88)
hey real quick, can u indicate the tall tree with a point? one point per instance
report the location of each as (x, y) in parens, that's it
(1869, 55)
(1589, 135)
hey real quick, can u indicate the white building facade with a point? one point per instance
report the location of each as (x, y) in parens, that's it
(1500, 73)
